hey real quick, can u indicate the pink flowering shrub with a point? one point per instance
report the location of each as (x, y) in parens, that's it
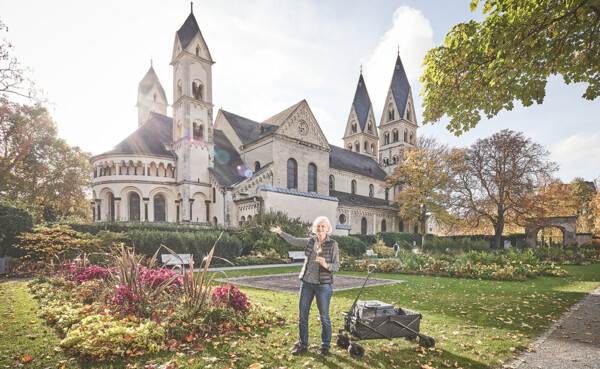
(84, 274)
(230, 296)
(124, 300)
(156, 277)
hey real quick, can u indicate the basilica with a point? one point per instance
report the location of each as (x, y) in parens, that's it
(197, 167)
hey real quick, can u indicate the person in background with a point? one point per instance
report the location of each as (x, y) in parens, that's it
(316, 279)
(396, 248)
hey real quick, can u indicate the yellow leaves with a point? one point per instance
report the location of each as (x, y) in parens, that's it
(256, 366)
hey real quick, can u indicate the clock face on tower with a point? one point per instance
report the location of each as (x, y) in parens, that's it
(302, 127)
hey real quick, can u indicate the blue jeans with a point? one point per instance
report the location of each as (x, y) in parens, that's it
(323, 292)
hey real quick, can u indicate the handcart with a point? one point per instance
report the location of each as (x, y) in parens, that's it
(370, 320)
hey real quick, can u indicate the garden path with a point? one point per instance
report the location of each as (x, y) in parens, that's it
(572, 342)
(290, 283)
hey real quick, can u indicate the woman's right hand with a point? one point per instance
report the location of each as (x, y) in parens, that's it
(276, 230)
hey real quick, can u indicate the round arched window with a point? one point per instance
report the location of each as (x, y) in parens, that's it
(342, 219)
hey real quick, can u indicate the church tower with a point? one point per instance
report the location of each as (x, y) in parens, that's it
(151, 97)
(361, 132)
(398, 124)
(192, 112)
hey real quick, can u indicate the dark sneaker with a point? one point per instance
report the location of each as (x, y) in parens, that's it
(299, 350)
(323, 351)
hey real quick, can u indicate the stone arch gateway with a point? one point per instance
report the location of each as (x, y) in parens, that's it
(566, 224)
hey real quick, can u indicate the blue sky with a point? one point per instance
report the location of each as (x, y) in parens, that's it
(90, 56)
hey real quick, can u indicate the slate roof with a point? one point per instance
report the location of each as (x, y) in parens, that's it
(280, 117)
(297, 193)
(188, 31)
(400, 86)
(350, 161)
(149, 138)
(229, 168)
(362, 102)
(149, 80)
(248, 130)
(364, 201)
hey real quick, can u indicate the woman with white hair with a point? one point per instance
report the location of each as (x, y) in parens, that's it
(322, 259)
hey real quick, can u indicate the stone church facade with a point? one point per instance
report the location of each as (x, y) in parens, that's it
(224, 169)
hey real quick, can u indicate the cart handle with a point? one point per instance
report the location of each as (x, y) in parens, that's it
(370, 269)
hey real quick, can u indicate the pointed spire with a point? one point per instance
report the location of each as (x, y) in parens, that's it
(362, 102)
(361, 69)
(189, 30)
(399, 86)
(149, 80)
(192, 7)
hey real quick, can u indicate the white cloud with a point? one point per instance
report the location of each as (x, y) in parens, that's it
(578, 156)
(413, 33)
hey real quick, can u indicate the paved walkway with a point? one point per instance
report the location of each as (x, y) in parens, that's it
(251, 267)
(572, 342)
(290, 283)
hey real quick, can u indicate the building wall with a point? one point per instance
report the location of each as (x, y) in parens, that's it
(261, 152)
(343, 183)
(306, 208)
(303, 155)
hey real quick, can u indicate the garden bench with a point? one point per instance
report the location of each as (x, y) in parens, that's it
(179, 260)
(371, 253)
(296, 255)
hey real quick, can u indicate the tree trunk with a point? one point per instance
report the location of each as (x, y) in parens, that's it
(498, 230)
(423, 224)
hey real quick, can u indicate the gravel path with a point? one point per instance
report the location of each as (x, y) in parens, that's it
(572, 342)
(290, 283)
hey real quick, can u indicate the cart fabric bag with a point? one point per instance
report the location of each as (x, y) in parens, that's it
(373, 309)
(390, 326)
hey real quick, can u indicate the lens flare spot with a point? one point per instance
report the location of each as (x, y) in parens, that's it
(223, 157)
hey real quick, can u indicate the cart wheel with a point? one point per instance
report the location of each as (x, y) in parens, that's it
(410, 338)
(426, 342)
(356, 350)
(343, 341)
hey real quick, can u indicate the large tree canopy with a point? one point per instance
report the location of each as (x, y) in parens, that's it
(499, 176)
(38, 169)
(425, 178)
(482, 68)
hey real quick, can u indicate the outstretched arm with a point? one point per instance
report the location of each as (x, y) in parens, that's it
(289, 238)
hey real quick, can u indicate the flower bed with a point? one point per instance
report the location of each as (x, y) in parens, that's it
(508, 266)
(129, 310)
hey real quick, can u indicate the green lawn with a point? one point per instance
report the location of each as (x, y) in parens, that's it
(476, 324)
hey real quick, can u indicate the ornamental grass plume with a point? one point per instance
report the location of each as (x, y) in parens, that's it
(196, 290)
(127, 272)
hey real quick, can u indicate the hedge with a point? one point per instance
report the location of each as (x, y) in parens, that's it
(389, 238)
(353, 246)
(199, 243)
(13, 222)
(118, 227)
(368, 239)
